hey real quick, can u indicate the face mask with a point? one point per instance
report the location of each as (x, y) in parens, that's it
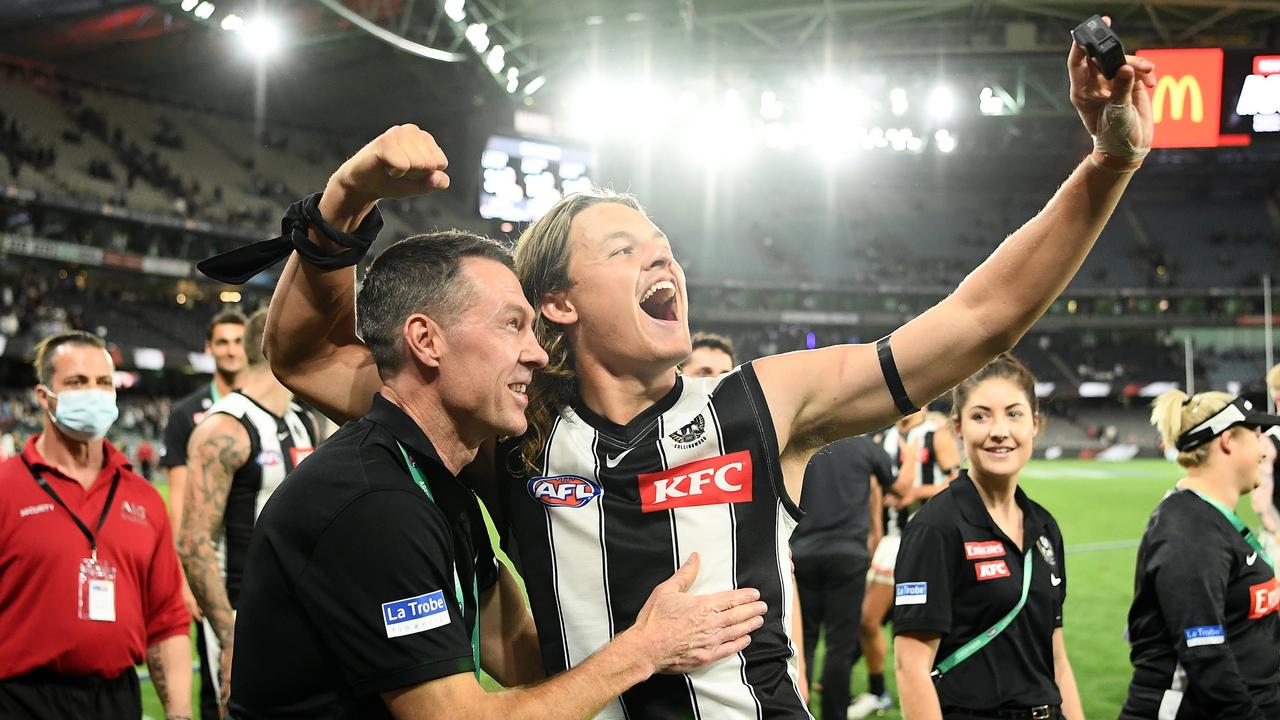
(85, 415)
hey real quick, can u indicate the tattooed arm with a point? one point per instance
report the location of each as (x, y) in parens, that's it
(219, 447)
(169, 662)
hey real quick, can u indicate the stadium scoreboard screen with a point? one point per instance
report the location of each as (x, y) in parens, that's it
(1207, 97)
(521, 179)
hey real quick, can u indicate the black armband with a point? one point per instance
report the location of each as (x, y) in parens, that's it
(239, 265)
(892, 379)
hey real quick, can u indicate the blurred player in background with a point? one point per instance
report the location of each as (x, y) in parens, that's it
(238, 455)
(925, 458)
(712, 356)
(1266, 499)
(224, 341)
(831, 555)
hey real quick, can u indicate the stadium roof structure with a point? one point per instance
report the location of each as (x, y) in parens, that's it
(342, 65)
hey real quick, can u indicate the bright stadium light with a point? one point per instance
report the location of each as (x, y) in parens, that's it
(456, 10)
(204, 10)
(232, 23)
(496, 59)
(189, 5)
(770, 107)
(513, 78)
(478, 35)
(942, 102)
(944, 140)
(989, 103)
(535, 85)
(898, 102)
(261, 37)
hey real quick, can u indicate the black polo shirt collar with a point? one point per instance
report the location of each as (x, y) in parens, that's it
(388, 416)
(974, 511)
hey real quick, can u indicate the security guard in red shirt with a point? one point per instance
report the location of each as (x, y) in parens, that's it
(90, 582)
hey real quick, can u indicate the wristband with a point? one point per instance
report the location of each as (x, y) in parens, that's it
(237, 266)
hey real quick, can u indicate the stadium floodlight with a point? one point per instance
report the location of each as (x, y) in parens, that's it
(261, 37)
(898, 102)
(189, 5)
(513, 78)
(496, 59)
(232, 22)
(771, 108)
(456, 10)
(478, 35)
(535, 85)
(204, 10)
(989, 103)
(942, 102)
(944, 140)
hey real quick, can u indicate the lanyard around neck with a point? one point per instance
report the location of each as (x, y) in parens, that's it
(421, 482)
(213, 391)
(1238, 524)
(90, 535)
(973, 646)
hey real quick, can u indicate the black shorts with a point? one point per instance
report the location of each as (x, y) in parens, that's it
(43, 695)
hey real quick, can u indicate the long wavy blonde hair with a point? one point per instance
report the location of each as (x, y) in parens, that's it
(542, 265)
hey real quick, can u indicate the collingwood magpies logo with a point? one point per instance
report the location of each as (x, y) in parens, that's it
(691, 435)
(1046, 551)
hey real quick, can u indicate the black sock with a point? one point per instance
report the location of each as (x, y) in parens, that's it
(877, 683)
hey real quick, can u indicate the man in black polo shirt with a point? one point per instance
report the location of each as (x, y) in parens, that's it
(958, 575)
(829, 548)
(370, 567)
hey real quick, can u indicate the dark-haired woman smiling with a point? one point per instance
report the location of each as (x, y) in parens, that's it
(981, 579)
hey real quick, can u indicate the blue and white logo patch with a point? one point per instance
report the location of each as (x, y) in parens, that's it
(1205, 635)
(415, 614)
(911, 593)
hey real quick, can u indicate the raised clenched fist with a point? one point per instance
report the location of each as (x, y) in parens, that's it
(401, 162)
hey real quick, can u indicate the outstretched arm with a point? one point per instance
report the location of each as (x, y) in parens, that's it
(823, 395)
(311, 338)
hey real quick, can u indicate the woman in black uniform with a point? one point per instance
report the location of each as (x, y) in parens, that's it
(1203, 632)
(981, 579)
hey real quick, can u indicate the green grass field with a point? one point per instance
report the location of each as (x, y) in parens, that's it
(1102, 508)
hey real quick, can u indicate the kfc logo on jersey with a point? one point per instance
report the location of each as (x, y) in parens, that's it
(1264, 599)
(563, 490)
(983, 550)
(717, 480)
(991, 570)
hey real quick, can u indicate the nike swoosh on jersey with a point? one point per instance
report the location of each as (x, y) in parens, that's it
(1054, 580)
(611, 461)
(1251, 559)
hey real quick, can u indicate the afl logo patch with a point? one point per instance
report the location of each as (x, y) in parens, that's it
(691, 435)
(270, 458)
(570, 491)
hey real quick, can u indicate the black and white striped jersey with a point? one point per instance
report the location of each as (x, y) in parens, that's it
(616, 509)
(927, 470)
(277, 445)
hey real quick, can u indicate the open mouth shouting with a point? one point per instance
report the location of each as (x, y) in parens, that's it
(659, 301)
